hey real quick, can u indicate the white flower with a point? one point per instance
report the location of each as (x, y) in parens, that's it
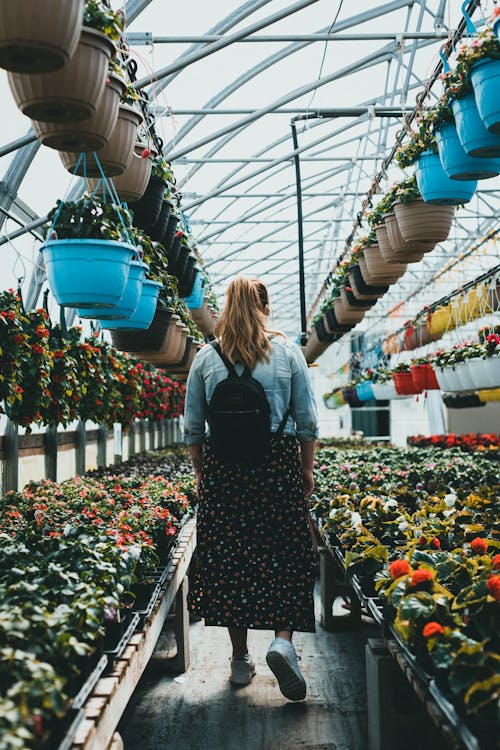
(67, 529)
(134, 551)
(356, 520)
(448, 513)
(402, 523)
(391, 504)
(450, 500)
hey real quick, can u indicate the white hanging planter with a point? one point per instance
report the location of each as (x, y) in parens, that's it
(480, 374)
(462, 371)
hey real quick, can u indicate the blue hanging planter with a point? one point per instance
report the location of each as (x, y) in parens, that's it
(456, 163)
(436, 187)
(485, 79)
(130, 299)
(87, 273)
(144, 312)
(496, 28)
(195, 299)
(476, 140)
(364, 391)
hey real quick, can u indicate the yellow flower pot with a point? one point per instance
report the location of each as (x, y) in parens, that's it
(441, 321)
(493, 394)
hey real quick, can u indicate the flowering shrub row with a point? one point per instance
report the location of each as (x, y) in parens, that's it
(420, 529)
(481, 442)
(73, 557)
(50, 377)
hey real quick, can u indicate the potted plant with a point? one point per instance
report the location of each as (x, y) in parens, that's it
(131, 185)
(81, 136)
(403, 380)
(475, 138)
(87, 252)
(147, 210)
(423, 375)
(419, 221)
(39, 36)
(74, 92)
(392, 246)
(483, 364)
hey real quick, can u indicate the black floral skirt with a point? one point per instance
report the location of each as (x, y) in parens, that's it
(255, 560)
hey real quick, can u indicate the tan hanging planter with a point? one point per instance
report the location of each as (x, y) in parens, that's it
(116, 155)
(314, 347)
(204, 317)
(72, 93)
(424, 222)
(39, 36)
(396, 254)
(91, 134)
(385, 273)
(348, 307)
(132, 183)
(402, 250)
(345, 316)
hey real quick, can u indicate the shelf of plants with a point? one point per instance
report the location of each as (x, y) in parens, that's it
(417, 533)
(86, 564)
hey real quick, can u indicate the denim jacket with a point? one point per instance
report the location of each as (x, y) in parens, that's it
(285, 379)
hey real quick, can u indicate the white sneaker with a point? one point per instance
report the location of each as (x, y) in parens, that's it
(242, 670)
(282, 661)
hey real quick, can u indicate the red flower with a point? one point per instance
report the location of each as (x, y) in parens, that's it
(432, 629)
(496, 562)
(422, 541)
(436, 543)
(479, 546)
(399, 568)
(493, 586)
(422, 575)
(146, 153)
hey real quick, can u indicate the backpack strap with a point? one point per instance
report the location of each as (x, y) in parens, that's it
(279, 431)
(229, 365)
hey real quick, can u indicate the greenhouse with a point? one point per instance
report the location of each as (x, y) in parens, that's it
(249, 375)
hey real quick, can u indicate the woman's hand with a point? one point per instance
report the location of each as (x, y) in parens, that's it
(197, 461)
(308, 481)
(197, 475)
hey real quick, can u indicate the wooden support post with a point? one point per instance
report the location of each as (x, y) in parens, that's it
(118, 443)
(80, 448)
(102, 438)
(10, 471)
(327, 587)
(50, 453)
(151, 433)
(332, 586)
(169, 432)
(180, 663)
(142, 436)
(131, 440)
(396, 717)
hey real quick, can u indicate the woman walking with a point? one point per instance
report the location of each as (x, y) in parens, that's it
(254, 557)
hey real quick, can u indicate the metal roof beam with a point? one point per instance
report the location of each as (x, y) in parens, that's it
(224, 41)
(142, 38)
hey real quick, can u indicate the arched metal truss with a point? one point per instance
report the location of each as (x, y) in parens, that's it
(238, 178)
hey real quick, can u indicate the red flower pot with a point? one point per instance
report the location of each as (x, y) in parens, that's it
(424, 377)
(404, 384)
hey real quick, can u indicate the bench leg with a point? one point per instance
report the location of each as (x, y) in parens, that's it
(181, 628)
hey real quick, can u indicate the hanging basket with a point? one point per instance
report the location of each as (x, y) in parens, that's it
(468, 401)
(440, 321)
(324, 333)
(436, 187)
(457, 164)
(361, 288)
(474, 137)
(127, 305)
(386, 391)
(87, 273)
(152, 338)
(116, 155)
(365, 391)
(424, 377)
(314, 347)
(39, 36)
(186, 285)
(147, 209)
(333, 325)
(178, 268)
(86, 135)
(404, 384)
(485, 79)
(480, 374)
(423, 222)
(391, 254)
(386, 273)
(347, 316)
(351, 299)
(195, 300)
(492, 365)
(72, 93)
(204, 317)
(157, 231)
(487, 396)
(405, 252)
(132, 183)
(144, 312)
(351, 397)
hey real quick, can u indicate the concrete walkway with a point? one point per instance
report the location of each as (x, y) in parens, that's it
(201, 710)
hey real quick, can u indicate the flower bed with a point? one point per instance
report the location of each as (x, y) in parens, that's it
(76, 559)
(420, 531)
(485, 443)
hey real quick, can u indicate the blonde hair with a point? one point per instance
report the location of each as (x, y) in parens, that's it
(242, 326)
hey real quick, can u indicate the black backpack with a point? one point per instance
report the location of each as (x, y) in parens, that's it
(239, 417)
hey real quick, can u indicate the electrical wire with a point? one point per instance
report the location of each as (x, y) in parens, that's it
(324, 55)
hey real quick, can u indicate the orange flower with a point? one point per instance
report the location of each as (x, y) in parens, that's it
(422, 575)
(479, 546)
(493, 586)
(399, 568)
(432, 629)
